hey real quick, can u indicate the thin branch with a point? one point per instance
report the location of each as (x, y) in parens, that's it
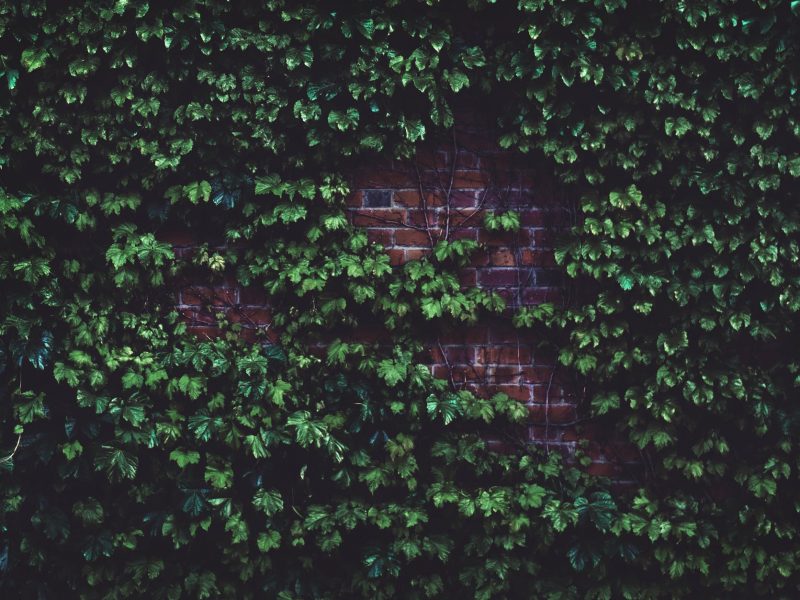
(13, 452)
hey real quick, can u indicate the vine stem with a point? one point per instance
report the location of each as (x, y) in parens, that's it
(13, 452)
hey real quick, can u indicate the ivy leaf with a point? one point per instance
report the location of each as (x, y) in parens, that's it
(117, 462)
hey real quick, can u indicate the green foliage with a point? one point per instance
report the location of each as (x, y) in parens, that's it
(140, 459)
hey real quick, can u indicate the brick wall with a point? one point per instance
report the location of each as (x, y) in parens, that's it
(444, 193)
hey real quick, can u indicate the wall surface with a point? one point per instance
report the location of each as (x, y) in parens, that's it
(444, 194)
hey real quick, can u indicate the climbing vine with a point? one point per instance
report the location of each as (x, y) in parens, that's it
(302, 461)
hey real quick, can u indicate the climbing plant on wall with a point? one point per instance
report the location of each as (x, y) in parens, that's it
(308, 463)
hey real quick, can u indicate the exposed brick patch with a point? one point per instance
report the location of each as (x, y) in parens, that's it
(445, 193)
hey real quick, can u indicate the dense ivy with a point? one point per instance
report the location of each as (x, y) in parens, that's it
(140, 459)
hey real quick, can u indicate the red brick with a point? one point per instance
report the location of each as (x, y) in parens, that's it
(368, 334)
(196, 296)
(505, 238)
(502, 257)
(532, 217)
(225, 296)
(522, 374)
(557, 414)
(531, 296)
(547, 393)
(475, 334)
(202, 295)
(412, 237)
(413, 199)
(470, 179)
(396, 256)
(432, 158)
(542, 238)
(468, 160)
(378, 217)
(354, 199)
(604, 470)
(505, 333)
(504, 355)
(386, 178)
(537, 258)
(417, 218)
(251, 317)
(464, 199)
(455, 355)
(498, 277)
(479, 259)
(252, 295)
(464, 233)
(414, 253)
(177, 237)
(381, 236)
(468, 277)
(549, 434)
(460, 373)
(515, 392)
(210, 333)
